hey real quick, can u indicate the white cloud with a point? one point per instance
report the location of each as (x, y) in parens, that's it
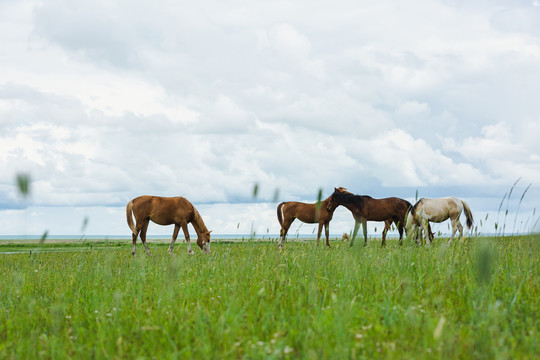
(413, 108)
(105, 101)
(524, 19)
(414, 162)
(504, 157)
(286, 39)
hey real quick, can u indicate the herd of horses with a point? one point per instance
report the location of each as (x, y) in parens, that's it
(414, 219)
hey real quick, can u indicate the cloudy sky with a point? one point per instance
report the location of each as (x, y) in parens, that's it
(102, 101)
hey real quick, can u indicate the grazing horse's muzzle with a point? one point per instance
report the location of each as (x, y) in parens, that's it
(204, 245)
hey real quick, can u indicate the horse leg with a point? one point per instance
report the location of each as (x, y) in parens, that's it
(400, 230)
(281, 237)
(364, 228)
(327, 232)
(426, 232)
(174, 236)
(136, 233)
(416, 230)
(430, 233)
(143, 236)
(355, 231)
(186, 235)
(386, 227)
(134, 236)
(420, 234)
(319, 232)
(140, 222)
(454, 228)
(284, 229)
(414, 233)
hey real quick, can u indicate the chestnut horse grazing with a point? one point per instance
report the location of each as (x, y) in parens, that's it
(438, 210)
(166, 211)
(365, 208)
(320, 213)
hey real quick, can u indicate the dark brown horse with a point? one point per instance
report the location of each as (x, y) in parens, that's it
(166, 211)
(365, 208)
(320, 213)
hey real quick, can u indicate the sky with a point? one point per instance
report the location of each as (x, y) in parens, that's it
(103, 101)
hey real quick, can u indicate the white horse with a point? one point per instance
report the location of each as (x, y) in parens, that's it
(437, 210)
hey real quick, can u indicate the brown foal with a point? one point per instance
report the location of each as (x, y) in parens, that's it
(320, 212)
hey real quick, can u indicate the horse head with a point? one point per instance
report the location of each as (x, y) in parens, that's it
(332, 204)
(203, 240)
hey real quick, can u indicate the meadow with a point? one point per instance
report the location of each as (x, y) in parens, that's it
(478, 298)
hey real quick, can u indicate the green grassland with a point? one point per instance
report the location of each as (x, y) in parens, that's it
(478, 298)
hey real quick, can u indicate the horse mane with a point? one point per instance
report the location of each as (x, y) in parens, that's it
(342, 190)
(198, 221)
(415, 206)
(348, 198)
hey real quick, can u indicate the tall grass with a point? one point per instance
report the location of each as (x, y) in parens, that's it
(248, 300)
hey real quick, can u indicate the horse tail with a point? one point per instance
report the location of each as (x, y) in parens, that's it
(401, 206)
(468, 214)
(407, 213)
(409, 205)
(129, 216)
(279, 214)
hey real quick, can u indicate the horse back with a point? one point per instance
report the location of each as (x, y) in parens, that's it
(438, 210)
(308, 213)
(163, 210)
(386, 208)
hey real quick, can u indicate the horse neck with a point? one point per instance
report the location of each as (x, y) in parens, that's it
(198, 223)
(350, 203)
(324, 204)
(352, 207)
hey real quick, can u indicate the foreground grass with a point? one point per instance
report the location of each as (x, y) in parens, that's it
(477, 299)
